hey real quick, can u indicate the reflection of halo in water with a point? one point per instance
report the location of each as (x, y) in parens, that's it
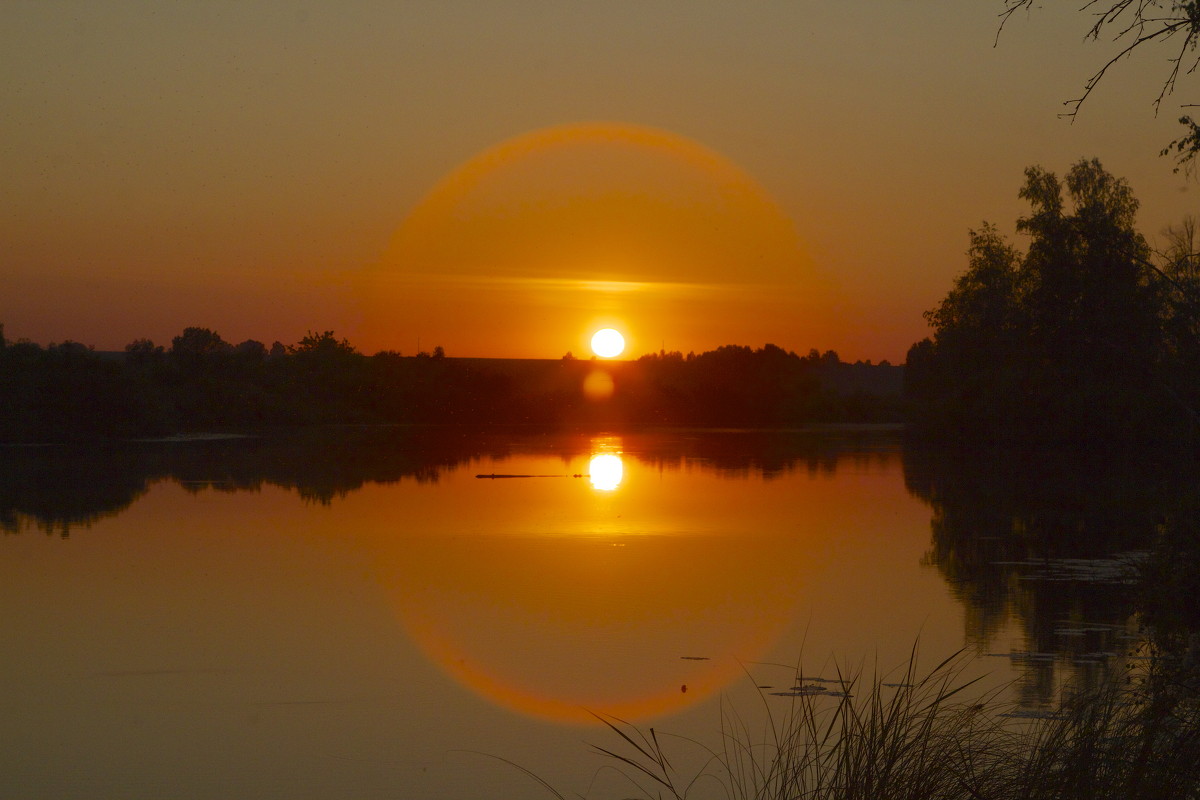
(596, 611)
(702, 677)
(606, 471)
(591, 627)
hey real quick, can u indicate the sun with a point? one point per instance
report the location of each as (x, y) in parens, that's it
(608, 343)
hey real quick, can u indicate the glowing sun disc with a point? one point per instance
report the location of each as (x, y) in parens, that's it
(608, 343)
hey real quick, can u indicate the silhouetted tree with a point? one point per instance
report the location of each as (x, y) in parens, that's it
(251, 350)
(1093, 310)
(329, 373)
(142, 351)
(1180, 274)
(978, 319)
(196, 346)
(1064, 341)
(323, 344)
(966, 372)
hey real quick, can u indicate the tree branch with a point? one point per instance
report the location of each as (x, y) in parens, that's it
(1143, 20)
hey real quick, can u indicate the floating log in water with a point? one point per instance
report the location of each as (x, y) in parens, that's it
(496, 475)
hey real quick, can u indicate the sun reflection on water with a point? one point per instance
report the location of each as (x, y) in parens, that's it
(606, 471)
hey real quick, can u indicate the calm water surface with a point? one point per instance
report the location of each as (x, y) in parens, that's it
(381, 618)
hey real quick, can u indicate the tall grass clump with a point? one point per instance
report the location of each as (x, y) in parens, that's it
(931, 736)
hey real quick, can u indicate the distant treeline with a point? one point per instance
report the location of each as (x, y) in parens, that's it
(68, 391)
(1089, 337)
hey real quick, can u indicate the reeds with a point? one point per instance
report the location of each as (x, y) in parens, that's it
(925, 736)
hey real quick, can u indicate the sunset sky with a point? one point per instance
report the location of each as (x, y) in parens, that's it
(503, 178)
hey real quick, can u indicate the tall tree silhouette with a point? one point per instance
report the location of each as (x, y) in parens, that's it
(1093, 310)
(1062, 342)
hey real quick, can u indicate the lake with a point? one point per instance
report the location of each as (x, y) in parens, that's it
(387, 613)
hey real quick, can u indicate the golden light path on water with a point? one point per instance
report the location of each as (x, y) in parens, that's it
(623, 594)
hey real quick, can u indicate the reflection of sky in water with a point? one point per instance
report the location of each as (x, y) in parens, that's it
(606, 471)
(416, 617)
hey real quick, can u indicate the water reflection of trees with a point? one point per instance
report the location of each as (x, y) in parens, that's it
(61, 488)
(768, 453)
(58, 489)
(1052, 542)
(55, 491)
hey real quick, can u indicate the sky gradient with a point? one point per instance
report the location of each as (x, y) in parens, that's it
(248, 167)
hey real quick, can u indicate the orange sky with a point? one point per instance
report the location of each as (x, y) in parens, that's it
(804, 176)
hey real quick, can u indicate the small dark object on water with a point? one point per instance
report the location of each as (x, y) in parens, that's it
(683, 688)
